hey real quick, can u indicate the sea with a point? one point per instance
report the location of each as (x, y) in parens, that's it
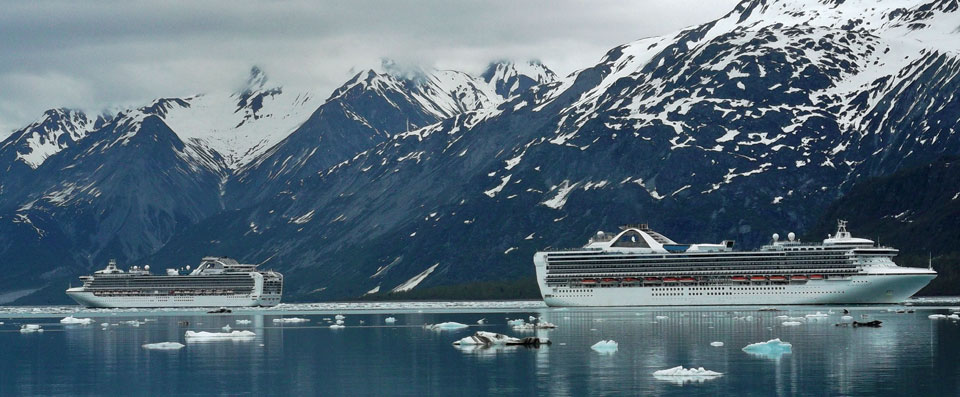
(820, 352)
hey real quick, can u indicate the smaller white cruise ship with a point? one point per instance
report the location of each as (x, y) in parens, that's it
(215, 282)
(640, 267)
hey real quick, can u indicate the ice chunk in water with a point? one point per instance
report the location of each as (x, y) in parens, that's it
(164, 346)
(487, 338)
(481, 321)
(681, 371)
(339, 317)
(104, 325)
(70, 320)
(132, 323)
(389, 320)
(605, 346)
(954, 316)
(226, 328)
(28, 328)
(817, 315)
(773, 348)
(336, 326)
(716, 344)
(846, 318)
(192, 336)
(290, 320)
(243, 321)
(518, 321)
(937, 316)
(447, 326)
(662, 317)
(791, 323)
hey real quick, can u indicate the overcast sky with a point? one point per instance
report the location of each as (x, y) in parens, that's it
(97, 55)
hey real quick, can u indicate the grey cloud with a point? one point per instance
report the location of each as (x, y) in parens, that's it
(98, 54)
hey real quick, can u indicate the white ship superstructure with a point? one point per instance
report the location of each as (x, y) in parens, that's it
(215, 282)
(640, 267)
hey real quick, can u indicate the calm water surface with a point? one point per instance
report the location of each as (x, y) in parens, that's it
(910, 354)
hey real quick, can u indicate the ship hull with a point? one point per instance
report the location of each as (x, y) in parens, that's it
(88, 299)
(859, 289)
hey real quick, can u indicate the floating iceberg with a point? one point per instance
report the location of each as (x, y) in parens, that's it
(164, 346)
(518, 321)
(817, 315)
(28, 328)
(290, 320)
(605, 346)
(104, 325)
(662, 317)
(447, 326)
(937, 316)
(389, 320)
(532, 318)
(532, 326)
(336, 326)
(482, 321)
(681, 371)
(132, 323)
(716, 344)
(773, 348)
(243, 321)
(954, 316)
(791, 323)
(226, 328)
(483, 338)
(846, 318)
(192, 336)
(339, 317)
(70, 320)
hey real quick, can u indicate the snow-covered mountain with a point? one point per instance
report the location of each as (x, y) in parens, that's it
(737, 128)
(77, 191)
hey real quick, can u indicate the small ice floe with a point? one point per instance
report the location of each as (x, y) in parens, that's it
(817, 315)
(791, 323)
(482, 321)
(339, 317)
(605, 346)
(226, 328)
(693, 372)
(29, 328)
(337, 326)
(846, 319)
(716, 344)
(954, 316)
(104, 325)
(164, 346)
(243, 322)
(532, 318)
(70, 320)
(389, 320)
(447, 326)
(661, 317)
(937, 316)
(783, 317)
(290, 320)
(773, 348)
(516, 322)
(132, 323)
(203, 336)
(491, 338)
(534, 326)
(339, 322)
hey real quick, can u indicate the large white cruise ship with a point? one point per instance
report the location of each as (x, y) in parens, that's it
(640, 267)
(216, 282)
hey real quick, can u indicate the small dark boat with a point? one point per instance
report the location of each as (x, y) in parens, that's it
(220, 311)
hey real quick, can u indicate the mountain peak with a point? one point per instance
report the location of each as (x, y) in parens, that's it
(510, 78)
(256, 81)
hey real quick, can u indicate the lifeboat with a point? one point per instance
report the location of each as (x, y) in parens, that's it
(651, 280)
(589, 281)
(798, 278)
(758, 278)
(738, 279)
(688, 280)
(778, 278)
(816, 277)
(630, 280)
(669, 279)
